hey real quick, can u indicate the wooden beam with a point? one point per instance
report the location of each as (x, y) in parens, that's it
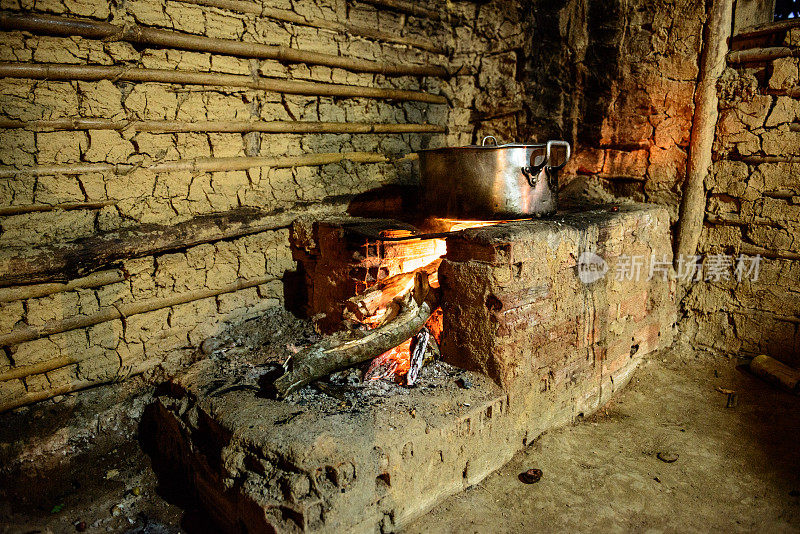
(98, 279)
(120, 311)
(36, 396)
(759, 160)
(145, 36)
(66, 206)
(769, 28)
(753, 250)
(410, 8)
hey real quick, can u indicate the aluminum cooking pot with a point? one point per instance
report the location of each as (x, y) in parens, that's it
(491, 181)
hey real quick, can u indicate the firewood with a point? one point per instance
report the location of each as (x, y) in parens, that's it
(418, 348)
(94, 73)
(384, 292)
(351, 347)
(143, 35)
(776, 373)
(704, 124)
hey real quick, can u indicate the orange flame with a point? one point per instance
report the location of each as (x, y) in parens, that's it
(413, 254)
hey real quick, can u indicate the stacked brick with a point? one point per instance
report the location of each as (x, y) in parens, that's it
(343, 257)
(754, 209)
(516, 310)
(621, 88)
(522, 306)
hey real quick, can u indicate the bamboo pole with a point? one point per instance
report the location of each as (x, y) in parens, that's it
(121, 311)
(93, 73)
(98, 279)
(411, 8)
(142, 35)
(759, 160)
(293, 127)
(25, 371)
(754, 250)
(65, 261)
(769, 28)
(704, 123)
(236, 163)
(753, 55)
(67, 206)
(36, 396)
(732, 219)
(284, 15)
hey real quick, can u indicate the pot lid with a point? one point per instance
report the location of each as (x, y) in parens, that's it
(485, 145)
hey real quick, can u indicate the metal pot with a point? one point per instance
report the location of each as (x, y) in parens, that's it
(491, 181)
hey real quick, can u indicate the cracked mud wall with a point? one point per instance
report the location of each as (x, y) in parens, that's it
(614, 78)
(617, 80)
(61, 336)
(754, 209)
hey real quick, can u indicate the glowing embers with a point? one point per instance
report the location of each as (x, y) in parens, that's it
(382, 302)
(403, 363)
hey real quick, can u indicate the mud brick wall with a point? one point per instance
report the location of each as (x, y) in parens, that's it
(517, 310)
(71, 191)
(616, 79)
(754, 209)
(160, 154)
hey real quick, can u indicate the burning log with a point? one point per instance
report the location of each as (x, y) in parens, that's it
(351, 347)
(379, 297)
(418, 347)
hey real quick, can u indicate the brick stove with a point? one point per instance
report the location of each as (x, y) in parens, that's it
(538, 346)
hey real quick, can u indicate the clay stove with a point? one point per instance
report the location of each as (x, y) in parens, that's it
(526, 345)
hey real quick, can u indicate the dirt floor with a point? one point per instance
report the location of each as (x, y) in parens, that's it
(727, 469)
(734, 469)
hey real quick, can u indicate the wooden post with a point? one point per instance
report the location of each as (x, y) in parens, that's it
(704, 124)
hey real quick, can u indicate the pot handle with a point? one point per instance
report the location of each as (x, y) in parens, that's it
(542, 162)
(550, 145)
